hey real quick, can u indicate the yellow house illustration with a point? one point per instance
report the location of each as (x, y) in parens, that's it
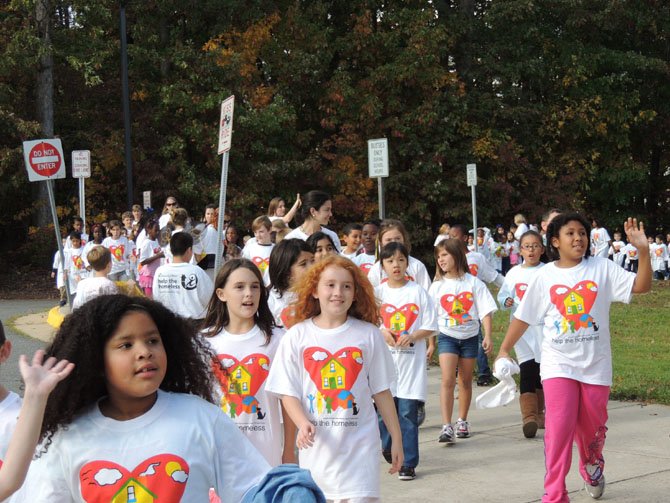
(332, 375)
(457, 307)
(240, 381)
(574, 304)
(133, 492)
(398, 322)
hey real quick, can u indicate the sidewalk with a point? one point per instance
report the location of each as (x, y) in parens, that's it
(497, 464)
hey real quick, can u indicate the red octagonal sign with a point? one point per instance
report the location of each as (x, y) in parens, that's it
(45, 159)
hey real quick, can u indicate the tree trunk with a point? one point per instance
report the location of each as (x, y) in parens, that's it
(45, 109)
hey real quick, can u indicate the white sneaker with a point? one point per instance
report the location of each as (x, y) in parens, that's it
(596, 491)
(462, 429)
(447, 435)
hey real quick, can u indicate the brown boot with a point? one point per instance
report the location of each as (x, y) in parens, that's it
(540, 408)
(528, 404)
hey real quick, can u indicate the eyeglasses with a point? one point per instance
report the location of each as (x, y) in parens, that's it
(170, 204)
(226, 221)
(531, 247)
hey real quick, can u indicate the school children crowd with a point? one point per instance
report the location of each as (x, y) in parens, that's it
(299, 341)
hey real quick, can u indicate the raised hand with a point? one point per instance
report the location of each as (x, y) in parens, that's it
(41, 376)
(635, 233)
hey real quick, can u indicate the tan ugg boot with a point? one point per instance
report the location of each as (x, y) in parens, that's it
(528, 404)
(540, 408)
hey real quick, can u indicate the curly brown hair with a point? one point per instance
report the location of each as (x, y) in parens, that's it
(82, 337)
(364, 307)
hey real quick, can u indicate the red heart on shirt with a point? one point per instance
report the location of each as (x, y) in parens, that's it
(159, 478)
(575, 303)
(458, 306)
(474, 269)
(520, 290)
(399, 319)
(240, 380)
(365, 267)
(287, 316)
(78, 262)
(261, 263)
(117, 252)
(334, 374)
(659, 252)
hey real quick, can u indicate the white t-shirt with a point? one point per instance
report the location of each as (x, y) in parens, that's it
(209, 239)
(260, 255)
(76, 269)
(174, 452)
(281, 307)
(520, 230)
(461, 303)
(163, 220)
(600, 242)
(364, 261)
(150, 247)
(659, 255)
(92, 287)
(573, 305)
(297, 233)
(631, 252)
(334, 373)
(185, 289)
(440, 238)
(416, 271)
(241, 394)
(9, 413)
(497, 251)
(617, 251)
(121, 250)
(480, 267)
(514, 287)
(58, 265)
(407, 309)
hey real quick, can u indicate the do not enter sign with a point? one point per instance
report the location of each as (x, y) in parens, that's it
(43, 159)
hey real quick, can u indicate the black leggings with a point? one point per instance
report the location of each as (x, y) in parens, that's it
(530, 377)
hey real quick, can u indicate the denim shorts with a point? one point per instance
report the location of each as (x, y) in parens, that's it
(464, 348)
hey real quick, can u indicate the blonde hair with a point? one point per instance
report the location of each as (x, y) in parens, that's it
(364, 307)
(262, 221)
(519, 219)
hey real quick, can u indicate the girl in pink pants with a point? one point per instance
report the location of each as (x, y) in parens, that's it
(571, 298)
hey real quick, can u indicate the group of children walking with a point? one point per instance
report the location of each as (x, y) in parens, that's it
(311, 344)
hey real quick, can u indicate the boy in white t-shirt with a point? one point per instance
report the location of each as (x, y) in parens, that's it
(616, 250)
(259, 249)
(100, 259)
(659, 256)
(366, 258)
(75, 268)
(352, 239)
(121, 251)
(180, 286)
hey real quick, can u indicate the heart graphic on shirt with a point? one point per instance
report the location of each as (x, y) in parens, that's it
(399, 319)
(632, 253)
(159, 478)
(261, 263)
(520, 290)
(117, 252)
(334, 375)
(659, 252)
(458, 306)
(78, 262)
(365, 267)
(474, 269)
(575, 303)
(240, 381)
(287, 316)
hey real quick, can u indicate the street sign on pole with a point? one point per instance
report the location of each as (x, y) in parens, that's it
(81, 169)
(226, 124)
(44, 162)
(44, 159)
(472, 183)
(378, 167)
(146, 199)
(225, 142)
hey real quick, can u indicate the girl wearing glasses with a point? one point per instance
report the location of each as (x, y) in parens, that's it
(527, 348)
(170, 204)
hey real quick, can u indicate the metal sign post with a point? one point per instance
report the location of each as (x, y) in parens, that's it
(225, 140)
(378, 167)
(44, 162)
(81, 168)
(472, 183)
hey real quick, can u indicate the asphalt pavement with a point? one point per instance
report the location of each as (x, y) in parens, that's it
(497, 464)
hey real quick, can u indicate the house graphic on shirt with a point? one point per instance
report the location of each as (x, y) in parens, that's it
(574, 304)
(398, 322)
(333, 375)
(133, 492)
(240, 381)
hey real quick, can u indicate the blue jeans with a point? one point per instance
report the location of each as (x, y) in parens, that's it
(409, 427)
(483, 368)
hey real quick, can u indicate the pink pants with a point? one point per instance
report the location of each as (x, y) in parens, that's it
(574, 411)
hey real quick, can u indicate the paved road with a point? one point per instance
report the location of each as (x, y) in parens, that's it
(9, 372)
